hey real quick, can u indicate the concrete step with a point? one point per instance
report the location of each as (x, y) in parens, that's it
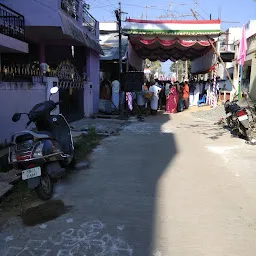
(10, 177)
(4, 152)
(107, 116)
(4, 188)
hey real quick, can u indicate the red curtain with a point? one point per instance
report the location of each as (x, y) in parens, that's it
(168, 43)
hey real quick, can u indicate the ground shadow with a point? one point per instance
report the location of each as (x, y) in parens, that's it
(114, 203)
(125, 180)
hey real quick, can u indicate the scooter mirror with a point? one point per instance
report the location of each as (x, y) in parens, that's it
(54, 90)
(16, 117)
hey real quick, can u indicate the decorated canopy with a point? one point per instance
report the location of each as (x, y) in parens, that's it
(174, 40)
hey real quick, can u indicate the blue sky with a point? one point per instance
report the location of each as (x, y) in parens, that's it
(228, 10)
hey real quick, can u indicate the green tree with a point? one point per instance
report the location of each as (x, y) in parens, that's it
(153, 66)
(180, 68)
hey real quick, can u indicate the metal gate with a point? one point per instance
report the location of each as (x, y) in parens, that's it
(71, 91)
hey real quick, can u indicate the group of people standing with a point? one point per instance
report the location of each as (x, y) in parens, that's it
(175, 96)
(179, 96)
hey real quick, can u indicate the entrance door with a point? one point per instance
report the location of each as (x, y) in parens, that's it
(72, 106)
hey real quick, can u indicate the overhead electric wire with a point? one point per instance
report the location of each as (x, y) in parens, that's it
(207, 14)
(39, 2)
(100, 7)
(153, 8)
(114, 5)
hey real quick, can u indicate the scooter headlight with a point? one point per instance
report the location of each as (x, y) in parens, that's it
(38, 150)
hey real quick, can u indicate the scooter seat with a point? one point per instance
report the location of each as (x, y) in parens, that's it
(28, 135)
(48, 134)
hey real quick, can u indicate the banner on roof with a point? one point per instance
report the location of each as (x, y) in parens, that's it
(173, 27)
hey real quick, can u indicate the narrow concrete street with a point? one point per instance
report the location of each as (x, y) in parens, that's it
(169, 186)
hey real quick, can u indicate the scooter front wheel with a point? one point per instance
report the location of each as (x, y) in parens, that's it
(45, 189)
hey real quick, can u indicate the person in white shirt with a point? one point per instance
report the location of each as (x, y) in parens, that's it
(157, 83)
(115, 94)
(208, 92)
(140, 98)
(201, 88)
(196, 93)
(155, 89)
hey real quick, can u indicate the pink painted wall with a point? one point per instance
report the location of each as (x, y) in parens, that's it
(17, 97)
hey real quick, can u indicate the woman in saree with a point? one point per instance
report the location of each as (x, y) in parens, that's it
(172, 100)
(180, 97)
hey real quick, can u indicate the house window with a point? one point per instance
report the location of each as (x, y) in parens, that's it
(71, 7)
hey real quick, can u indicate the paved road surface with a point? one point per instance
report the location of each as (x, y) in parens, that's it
(165, 187)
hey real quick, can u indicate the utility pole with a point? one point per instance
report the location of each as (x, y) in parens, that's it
(120, 39)
(170, 9)
(118, 14)
(194, 14)
(195, 5)
(151, 6)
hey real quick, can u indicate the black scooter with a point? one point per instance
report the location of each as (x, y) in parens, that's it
(237, 119)
(42, 155)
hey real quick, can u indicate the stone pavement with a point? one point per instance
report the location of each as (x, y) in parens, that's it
(172, 185)
(214, 114)
(101, 125)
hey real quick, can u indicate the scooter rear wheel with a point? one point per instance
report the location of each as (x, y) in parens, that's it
(45, 189)
(246, 132)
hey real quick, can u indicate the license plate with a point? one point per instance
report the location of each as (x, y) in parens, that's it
(229, 114)
(242, 118)
(31, 173)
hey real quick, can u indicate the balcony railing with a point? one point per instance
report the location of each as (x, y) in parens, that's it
(227, 47)
(89, 22)
(11, 23)
(71, 7)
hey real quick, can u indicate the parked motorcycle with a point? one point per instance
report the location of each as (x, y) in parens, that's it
(44, 154)
(237, 119)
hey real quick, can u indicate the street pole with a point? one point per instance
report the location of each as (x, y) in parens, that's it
(120, 40)
(118, 14)
(118, 18)
(171, 10)
(148, 6)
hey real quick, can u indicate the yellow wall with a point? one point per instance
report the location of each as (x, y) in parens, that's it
(251, 46)
(251, 57)
(253, 80)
